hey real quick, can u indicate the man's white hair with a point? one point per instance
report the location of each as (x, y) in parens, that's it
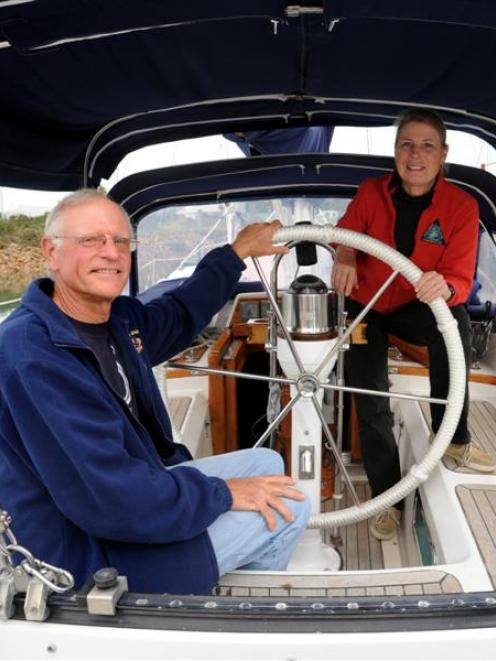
(55, 218)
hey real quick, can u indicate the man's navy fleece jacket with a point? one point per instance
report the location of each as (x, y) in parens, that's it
(83, 479)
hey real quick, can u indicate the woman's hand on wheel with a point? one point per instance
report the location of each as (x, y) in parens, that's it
(344, 272)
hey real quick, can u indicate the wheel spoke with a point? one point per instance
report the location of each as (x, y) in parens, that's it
(239, 375)
(335, 452)
(335, 348)
(338, 482)
(279, 418)
(292, 382)
(382, 393)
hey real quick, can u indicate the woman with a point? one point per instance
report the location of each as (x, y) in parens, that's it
(435, 224)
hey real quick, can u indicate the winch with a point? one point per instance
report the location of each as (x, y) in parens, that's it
(309, 308)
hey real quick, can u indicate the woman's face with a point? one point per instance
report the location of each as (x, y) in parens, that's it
(419, 156)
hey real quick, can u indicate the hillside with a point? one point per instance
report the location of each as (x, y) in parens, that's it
(20, 257)
(18, 266)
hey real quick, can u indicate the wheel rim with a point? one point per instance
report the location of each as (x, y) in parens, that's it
(447, 326)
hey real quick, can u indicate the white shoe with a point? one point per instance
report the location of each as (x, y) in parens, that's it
(385, 524)
(471, 456)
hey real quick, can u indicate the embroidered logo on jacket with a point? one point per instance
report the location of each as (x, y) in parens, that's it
(434, 234)
(136, 340)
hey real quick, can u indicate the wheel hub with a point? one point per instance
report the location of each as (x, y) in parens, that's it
(307, 385)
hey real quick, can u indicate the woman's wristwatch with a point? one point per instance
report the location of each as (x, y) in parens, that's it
(452, 292)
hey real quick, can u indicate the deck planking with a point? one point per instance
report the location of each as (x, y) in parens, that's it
(358, 549)
(479, 505)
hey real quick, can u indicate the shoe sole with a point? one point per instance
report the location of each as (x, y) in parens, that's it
(381, 537)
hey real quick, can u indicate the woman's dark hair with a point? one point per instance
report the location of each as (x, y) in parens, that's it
(424, 116)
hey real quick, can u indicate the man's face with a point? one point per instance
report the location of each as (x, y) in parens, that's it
(90, 276)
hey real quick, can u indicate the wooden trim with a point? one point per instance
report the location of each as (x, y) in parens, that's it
(193, 354)
(412, 351)
(180, 374)
(408, 369)
(216, 396)
(420, 355)
(284, 435)
(255, 331)
(234, 361)
(474, 377)
(354, 432)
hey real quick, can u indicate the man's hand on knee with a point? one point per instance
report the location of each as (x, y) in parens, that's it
(264, 494)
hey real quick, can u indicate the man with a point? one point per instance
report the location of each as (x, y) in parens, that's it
(88, 468)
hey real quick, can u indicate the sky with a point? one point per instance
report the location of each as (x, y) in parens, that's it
(464, 149)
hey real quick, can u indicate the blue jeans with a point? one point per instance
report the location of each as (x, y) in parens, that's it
(241, 539)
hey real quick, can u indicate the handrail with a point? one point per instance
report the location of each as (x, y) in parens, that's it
(11, 302)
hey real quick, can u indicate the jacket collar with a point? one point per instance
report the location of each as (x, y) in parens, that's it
(38, 299)
(392, 181)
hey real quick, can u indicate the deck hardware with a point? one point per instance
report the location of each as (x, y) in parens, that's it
(245, 605)
(5, 521)
(56, 579)
(281, 606)
(108, 589)
(295, 11)
(307, 462)
(35, 603)
(106, 578)
(7, 594)
(35, 578)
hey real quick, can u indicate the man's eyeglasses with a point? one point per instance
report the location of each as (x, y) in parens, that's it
(122, 243)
